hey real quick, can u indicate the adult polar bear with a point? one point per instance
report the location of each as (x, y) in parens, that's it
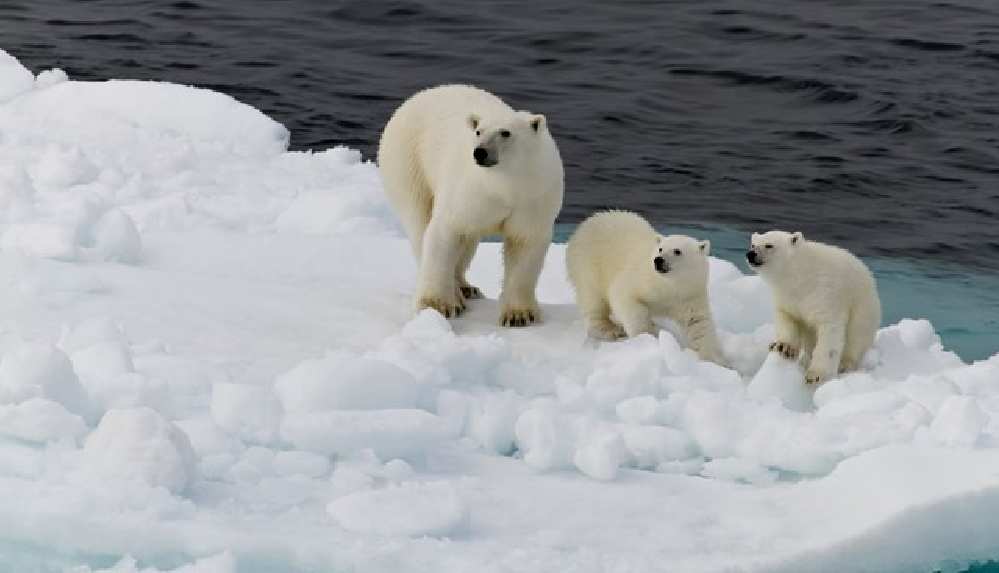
(458, 163)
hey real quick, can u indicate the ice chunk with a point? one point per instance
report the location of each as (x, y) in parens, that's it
(959, 422)
(600, 452)
(409, 509)
(342, 381)
(15, 79)
(51, 77)
(651, 446)
(139, 444)
(491, 422)
(545, 438)
(784, 380)
(41, 371)
(40, 420)
(250, 412)
(89, 332)
(638, 410)
(116, 238)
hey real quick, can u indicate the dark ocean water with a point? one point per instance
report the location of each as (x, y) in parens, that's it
(872, 123)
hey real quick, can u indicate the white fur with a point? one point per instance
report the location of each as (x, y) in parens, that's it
(611, 264)
(447, 202)
(826, 299)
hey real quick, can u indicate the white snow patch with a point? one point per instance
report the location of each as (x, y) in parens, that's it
(409, 509)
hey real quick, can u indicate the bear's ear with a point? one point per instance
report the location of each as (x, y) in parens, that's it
(473, 121)
(797, 238)
(705, 247)
(537, 121)
(755, 237)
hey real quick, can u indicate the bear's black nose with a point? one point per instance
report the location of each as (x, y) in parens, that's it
(480, 154)
(751, 257)
(660, 264)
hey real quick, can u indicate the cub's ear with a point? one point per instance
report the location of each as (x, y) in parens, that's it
(705, 247)
(537, 122)
(797, 238)
(755, 236)
(473, 121)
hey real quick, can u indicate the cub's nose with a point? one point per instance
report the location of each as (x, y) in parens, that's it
(751, 257)
(481, 155)
(661, 265)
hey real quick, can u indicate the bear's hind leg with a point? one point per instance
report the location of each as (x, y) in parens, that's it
(860, 336)
(825, 360)
(468, 247)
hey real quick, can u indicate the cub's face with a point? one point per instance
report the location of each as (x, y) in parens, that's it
(504, 141)
(770, 250)
(678, 256)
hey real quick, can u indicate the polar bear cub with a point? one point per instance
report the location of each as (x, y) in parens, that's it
(826, 300)
(625, 273)
(458, 163)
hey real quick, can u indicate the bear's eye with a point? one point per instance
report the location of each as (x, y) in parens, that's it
(769, 246)
(478, 133)
(677, 252)
(504, 133)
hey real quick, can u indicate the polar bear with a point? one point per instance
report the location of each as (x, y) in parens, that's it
(458, 163)
(625, 273)
(826, 300)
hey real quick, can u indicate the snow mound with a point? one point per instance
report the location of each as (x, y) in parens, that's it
(41, 371)
(15, 79)
(413, 510)
(140, 444)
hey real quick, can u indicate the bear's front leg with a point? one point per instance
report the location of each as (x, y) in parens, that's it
(788, 342)
(522, 262)
(631, 313)
(436, 286)
(829, 341)
(703, 337)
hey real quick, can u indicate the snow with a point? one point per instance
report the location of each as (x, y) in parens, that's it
(208, 361)
(140, 444)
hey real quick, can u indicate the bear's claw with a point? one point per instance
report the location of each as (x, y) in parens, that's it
(447, 309)
(813, 378)
(784, 349)
(471, 292)
(607, 331)
(519, 317)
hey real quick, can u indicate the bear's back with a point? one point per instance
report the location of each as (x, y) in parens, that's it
(607, 244)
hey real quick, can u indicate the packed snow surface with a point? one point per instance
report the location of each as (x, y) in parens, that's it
(208, 363)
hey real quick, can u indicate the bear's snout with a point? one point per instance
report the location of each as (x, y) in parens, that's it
(661, 265)
(481, 156)
(753, 258)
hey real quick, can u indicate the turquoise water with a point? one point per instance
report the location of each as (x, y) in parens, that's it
(962, 303)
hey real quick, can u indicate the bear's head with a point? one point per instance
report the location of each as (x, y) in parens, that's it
(507, 140)
(679, 257)
(771, 250)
